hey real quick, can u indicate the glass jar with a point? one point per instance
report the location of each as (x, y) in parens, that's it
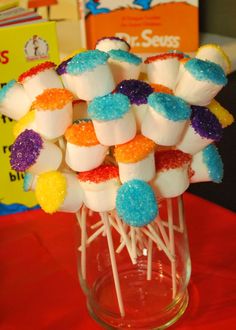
(135, 278)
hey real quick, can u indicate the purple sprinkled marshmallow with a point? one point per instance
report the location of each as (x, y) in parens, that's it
(205, 123)
(25, 150)
(136, 90)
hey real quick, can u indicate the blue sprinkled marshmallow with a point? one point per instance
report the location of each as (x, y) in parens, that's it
(86, 61)
(123, 56)
(28, 179)
(170, 106)
(206, 71)
(213, 161)
(109, 107)
(6, 88)
(136, 203)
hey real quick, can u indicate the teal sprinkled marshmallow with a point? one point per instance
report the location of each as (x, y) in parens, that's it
(109, 107)
(14, 102)
(170, 106)
(29, 181)
(165, 119)
(206, 70)
(207, 165)
(136, 203)
(124, 65)
(113, 120)
(5, 89)
(86, 61)
(123, 56)
(200, 82)
(92, 76)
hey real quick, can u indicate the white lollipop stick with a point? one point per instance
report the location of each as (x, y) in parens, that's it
(83, 242)
(61, 143)
(172, 245)
(181, 213)
(133, 243)
(96, 225)
(149, 260)
(93, 237)
(126, 240)
(165, 224)
(163, 232)
(106, 222)
(160, 243)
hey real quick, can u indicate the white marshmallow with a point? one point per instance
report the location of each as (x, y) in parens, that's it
(74, 194)
(100, 197)
(84, 158)
(49, 159)
(171, 183)
(196, 92)
(192, 142)
(115, 131)
(53, 123)
(200, 169)
(16, 102)
(139, 113)
(162, 130)
(163, 72)
(123, 70)
(35, 85)
(142, 170)
(107, 44)
(97, 82)
(68, 82)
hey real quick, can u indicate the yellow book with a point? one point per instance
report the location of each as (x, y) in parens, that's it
(16, 56)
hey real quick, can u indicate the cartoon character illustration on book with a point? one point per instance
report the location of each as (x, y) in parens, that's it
(105, 6)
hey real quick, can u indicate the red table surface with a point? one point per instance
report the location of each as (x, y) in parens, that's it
(39, 287)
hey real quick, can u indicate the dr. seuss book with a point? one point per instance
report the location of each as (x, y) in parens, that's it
(23, 45)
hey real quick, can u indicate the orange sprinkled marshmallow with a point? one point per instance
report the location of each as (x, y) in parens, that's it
(53, 112)
(83, 150)
(136, 159)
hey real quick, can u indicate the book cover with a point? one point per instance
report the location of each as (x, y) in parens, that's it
(17, 54)
(149, 26)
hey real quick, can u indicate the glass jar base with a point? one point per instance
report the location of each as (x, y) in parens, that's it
(148, 303)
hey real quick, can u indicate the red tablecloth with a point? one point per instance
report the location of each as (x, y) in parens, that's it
(39, 289)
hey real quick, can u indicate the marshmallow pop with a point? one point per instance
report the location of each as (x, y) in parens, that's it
(136, 159)
(124, 65)
(87, 68)
(14, 102)
(113, 120)
(200, 82)
(204, 128)
(31, 153)
(100, 187)
(39, 78)
(207, 165)
(53, 112)
(223, 115)
(83, 150)
(163, 69)
(136, 203)
(137, 92)
(172, 173)
(165, 119)
(108, 43)
(216, 54)
(56, 191)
